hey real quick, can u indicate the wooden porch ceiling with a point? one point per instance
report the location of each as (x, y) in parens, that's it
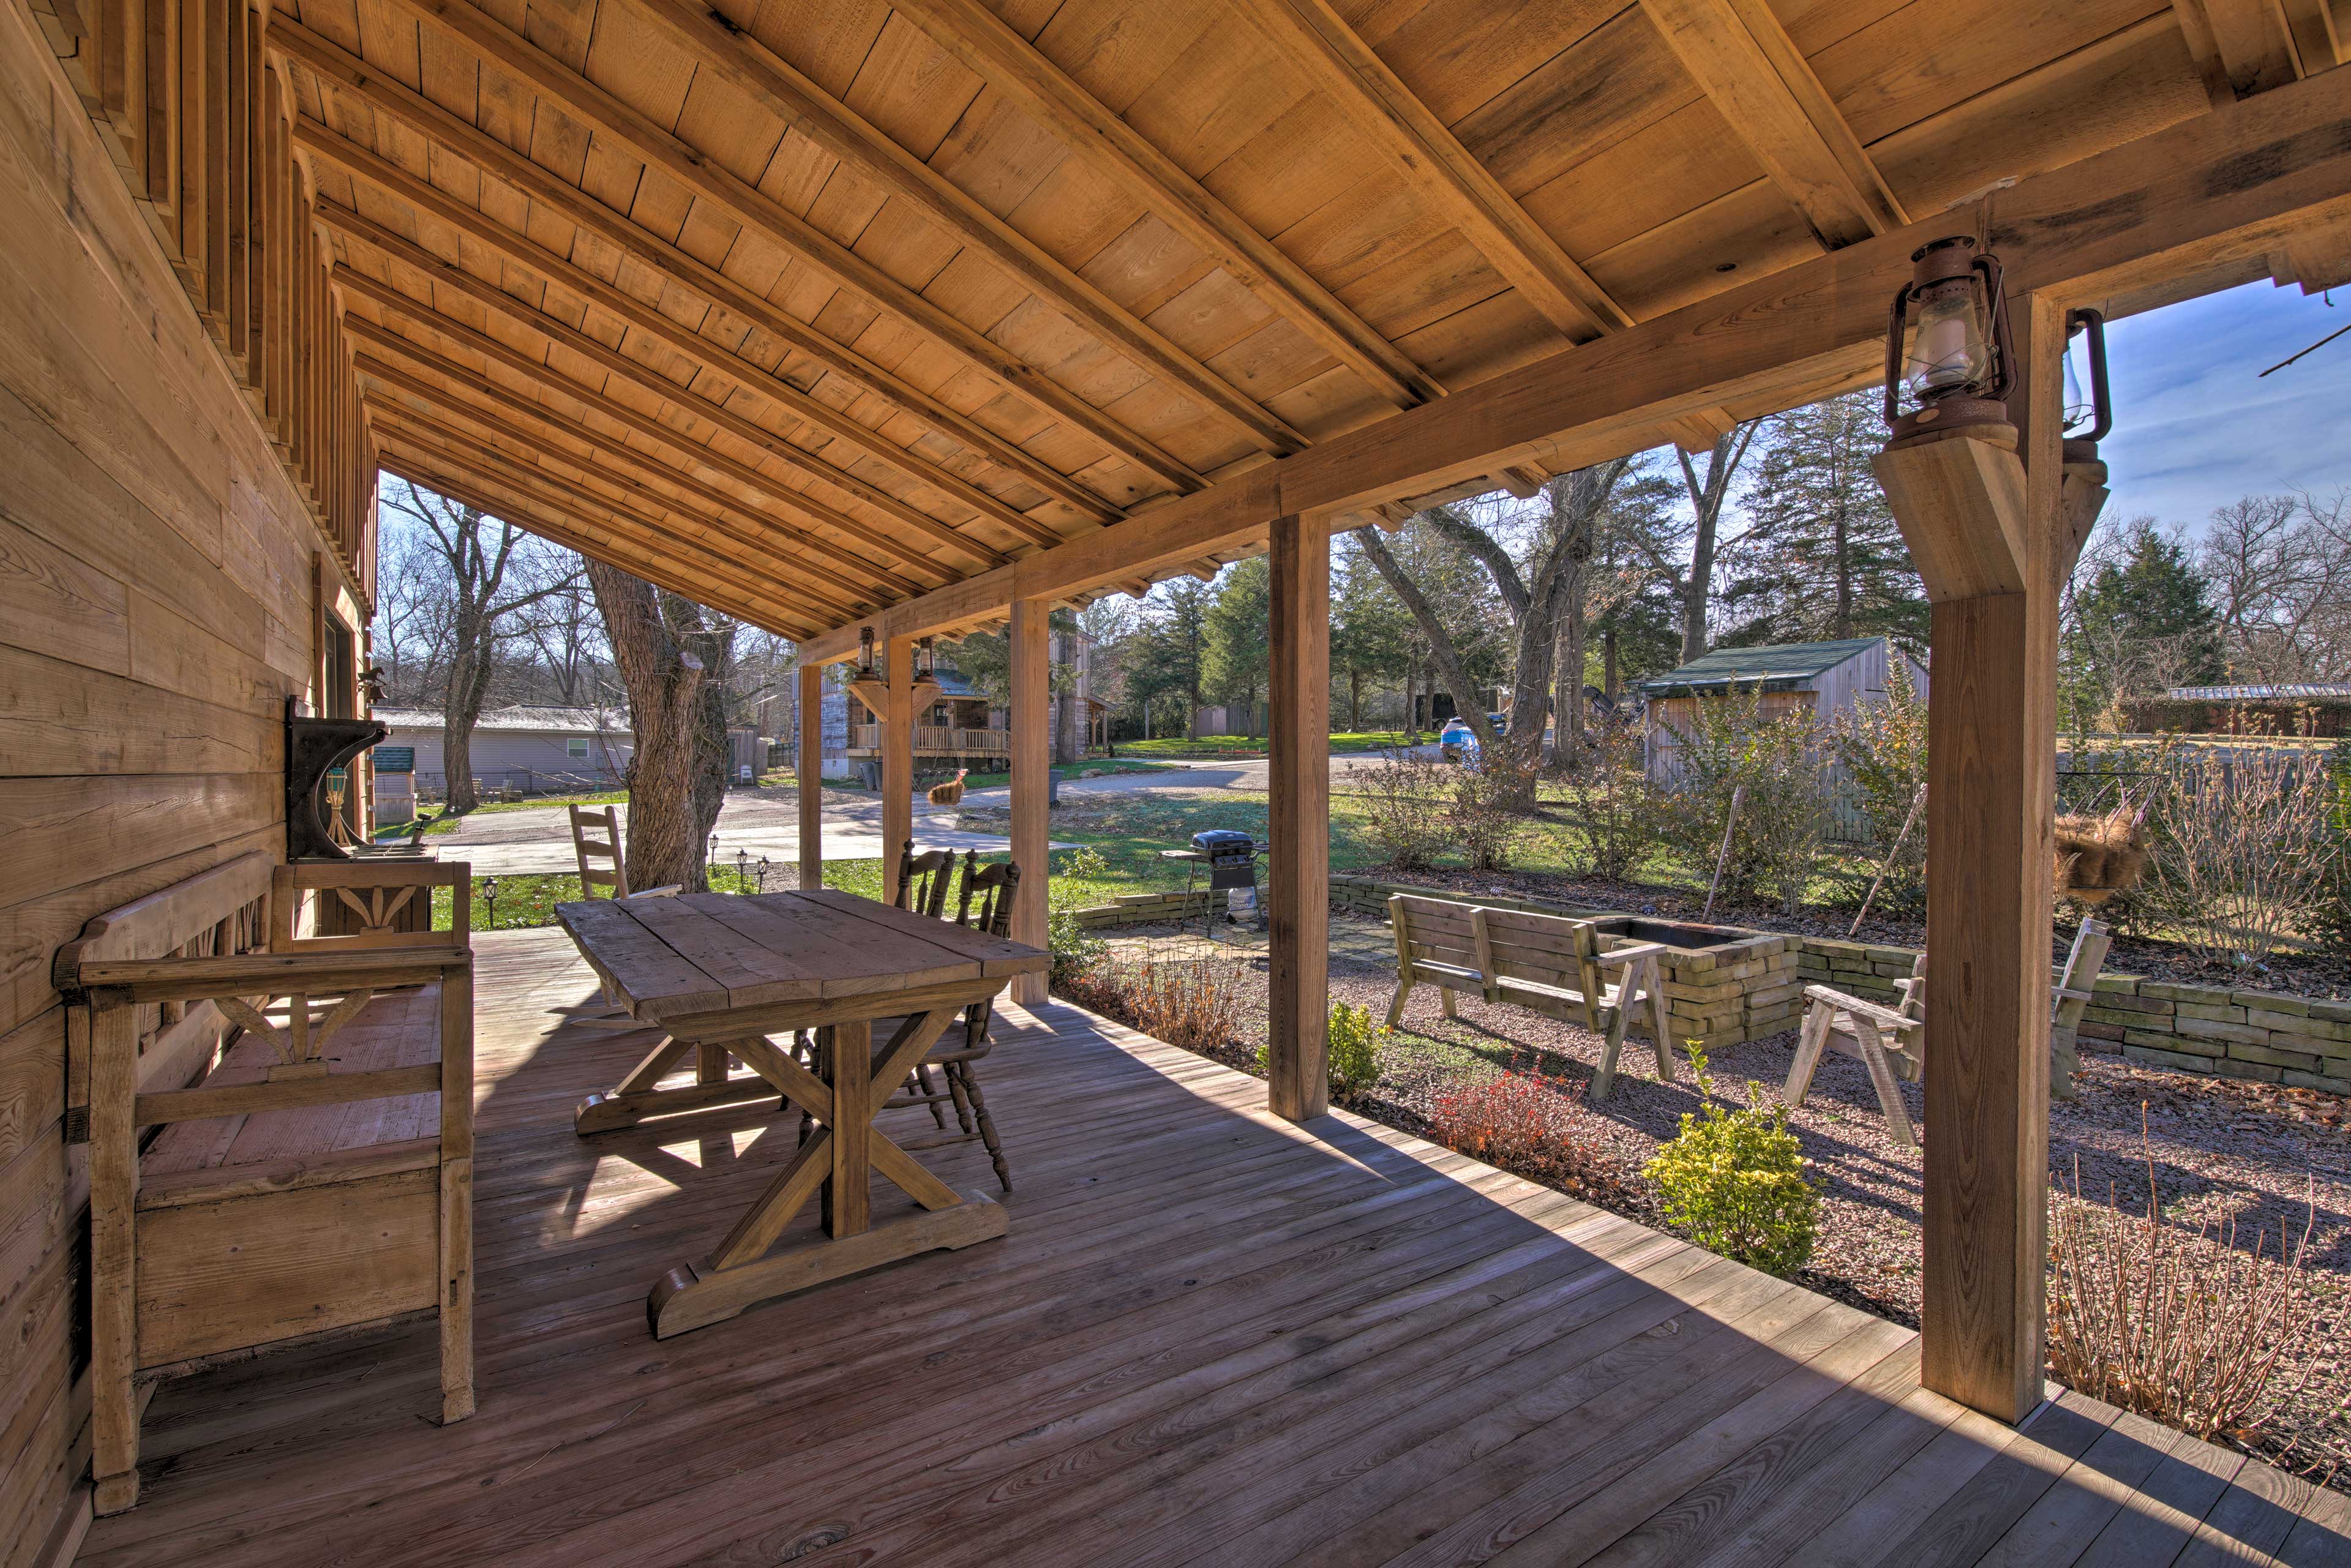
(815, 311)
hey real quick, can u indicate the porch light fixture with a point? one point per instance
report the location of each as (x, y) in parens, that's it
(865, 652)
(2089, 411)
(926, 660)
(1947, 341)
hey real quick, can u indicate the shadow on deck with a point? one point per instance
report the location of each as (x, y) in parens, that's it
(1210, 1338)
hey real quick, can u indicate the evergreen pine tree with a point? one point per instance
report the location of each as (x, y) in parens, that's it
(1236, 653)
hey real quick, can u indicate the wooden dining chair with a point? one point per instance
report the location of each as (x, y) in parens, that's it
(924, 880)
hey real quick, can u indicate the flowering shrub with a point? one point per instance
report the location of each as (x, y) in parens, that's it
(1734, 1181)
(1520, 1121)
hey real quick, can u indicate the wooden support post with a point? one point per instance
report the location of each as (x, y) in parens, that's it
(897, 762)
(808, 771)
(1984, 534)
(1298, 819)
(1032, 782)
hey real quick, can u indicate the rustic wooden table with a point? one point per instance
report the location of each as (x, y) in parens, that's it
(719, 974)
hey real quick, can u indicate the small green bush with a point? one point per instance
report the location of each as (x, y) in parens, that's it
(1074, 948)
(1354, 1049)
(1734, 1181)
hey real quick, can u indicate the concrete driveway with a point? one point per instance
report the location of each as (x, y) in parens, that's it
(1247, 774)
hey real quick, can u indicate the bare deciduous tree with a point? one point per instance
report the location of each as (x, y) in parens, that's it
(673, 657)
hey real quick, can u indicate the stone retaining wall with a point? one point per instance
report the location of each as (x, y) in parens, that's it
(1727, 995)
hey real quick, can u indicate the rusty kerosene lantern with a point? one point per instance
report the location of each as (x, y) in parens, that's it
(1947, 343)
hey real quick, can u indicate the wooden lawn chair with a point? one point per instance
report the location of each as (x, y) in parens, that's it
(924, 881)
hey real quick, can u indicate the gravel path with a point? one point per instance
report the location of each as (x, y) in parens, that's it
(2269, 1159)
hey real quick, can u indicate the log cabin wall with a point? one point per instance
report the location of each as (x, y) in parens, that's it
(187, 487)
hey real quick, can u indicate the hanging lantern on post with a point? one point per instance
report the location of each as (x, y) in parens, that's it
(2089, 408)
(865, 652)
(1946, 344)
(926, 659)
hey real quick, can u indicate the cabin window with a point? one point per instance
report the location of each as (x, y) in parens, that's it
(577, 748)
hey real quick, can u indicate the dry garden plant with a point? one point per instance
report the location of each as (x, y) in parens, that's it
(1881, 748)
(1406, 801)
(2245, 845)
(1186, 1001)
(2189, 1329)
(1608, 796)
(1775, 763)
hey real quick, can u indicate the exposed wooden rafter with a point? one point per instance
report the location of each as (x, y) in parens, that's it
(1313, 37)
(414, 463)
(1744, 60)
(770, 220)
(737, 58)
(713, 358)
(450, 385)
(371, 88)
(473, 448)
(604, 461)
(2245, 46)
(682, 442)
(646, 379)
(1016, 68)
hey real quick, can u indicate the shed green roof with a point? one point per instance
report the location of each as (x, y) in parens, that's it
(1780, 666)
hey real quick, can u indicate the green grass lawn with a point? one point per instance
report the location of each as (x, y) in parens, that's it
(1211, 746)
(445, 823)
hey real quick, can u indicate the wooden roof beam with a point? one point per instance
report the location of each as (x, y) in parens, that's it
(601, 450)
(734, 56)
(1744, 60)
(2207, 199)
(695, 450)
(569, 202)
(585, 101)
(652, 323)
(1017, 69)
(2244, 46)
(358, 231)
(471, 450)
(579, 535)
(1313, 37)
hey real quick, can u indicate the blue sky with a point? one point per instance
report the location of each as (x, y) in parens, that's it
(2195, 426)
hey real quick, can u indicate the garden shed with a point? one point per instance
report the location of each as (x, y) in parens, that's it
(1823, 679)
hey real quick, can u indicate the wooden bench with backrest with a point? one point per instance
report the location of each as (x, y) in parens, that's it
(1892, 1041)
(1549, 963)
(280, 1124)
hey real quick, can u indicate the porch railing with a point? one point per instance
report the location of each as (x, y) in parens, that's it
(938, 739)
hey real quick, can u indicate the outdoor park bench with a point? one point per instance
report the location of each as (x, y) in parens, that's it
(312, 1175)
(1547, 964)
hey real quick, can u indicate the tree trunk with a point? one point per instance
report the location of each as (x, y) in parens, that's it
(678, 777)
(1441, 653)
(461, 709)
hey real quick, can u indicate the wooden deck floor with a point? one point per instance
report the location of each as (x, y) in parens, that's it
(1211, 1338)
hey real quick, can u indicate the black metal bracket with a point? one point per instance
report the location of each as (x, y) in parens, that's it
(314, 749)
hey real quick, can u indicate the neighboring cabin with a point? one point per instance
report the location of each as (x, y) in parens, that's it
(2318, 710)
(1824, 679)
(533, 749)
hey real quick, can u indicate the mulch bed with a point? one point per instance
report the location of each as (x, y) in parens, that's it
(2312, 974)
(2220, 1149)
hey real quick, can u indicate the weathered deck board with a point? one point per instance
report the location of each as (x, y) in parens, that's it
(1211, 1338)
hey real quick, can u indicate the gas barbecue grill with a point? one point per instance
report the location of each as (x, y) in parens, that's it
(1230, 857)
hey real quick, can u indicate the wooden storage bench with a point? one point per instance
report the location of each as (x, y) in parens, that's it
(1547, 964)
(314, 1176)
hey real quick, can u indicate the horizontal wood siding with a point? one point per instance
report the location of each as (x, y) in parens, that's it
(158, 571)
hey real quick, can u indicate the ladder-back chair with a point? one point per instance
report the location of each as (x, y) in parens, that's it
(924, 880)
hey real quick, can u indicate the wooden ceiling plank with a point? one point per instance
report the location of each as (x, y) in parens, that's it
(653, 429)
(600, 222)
(696, 172)
(1315, 38)
(1743, 57)
(803, 106)
(2239, 46)
(2321, 40)
(713, 357)
(364, 232)
(577, 534)
(470, 449)
(1017, 69)
(2207, 200)
(603, 450)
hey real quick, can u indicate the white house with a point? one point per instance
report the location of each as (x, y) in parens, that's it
(533, 749)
